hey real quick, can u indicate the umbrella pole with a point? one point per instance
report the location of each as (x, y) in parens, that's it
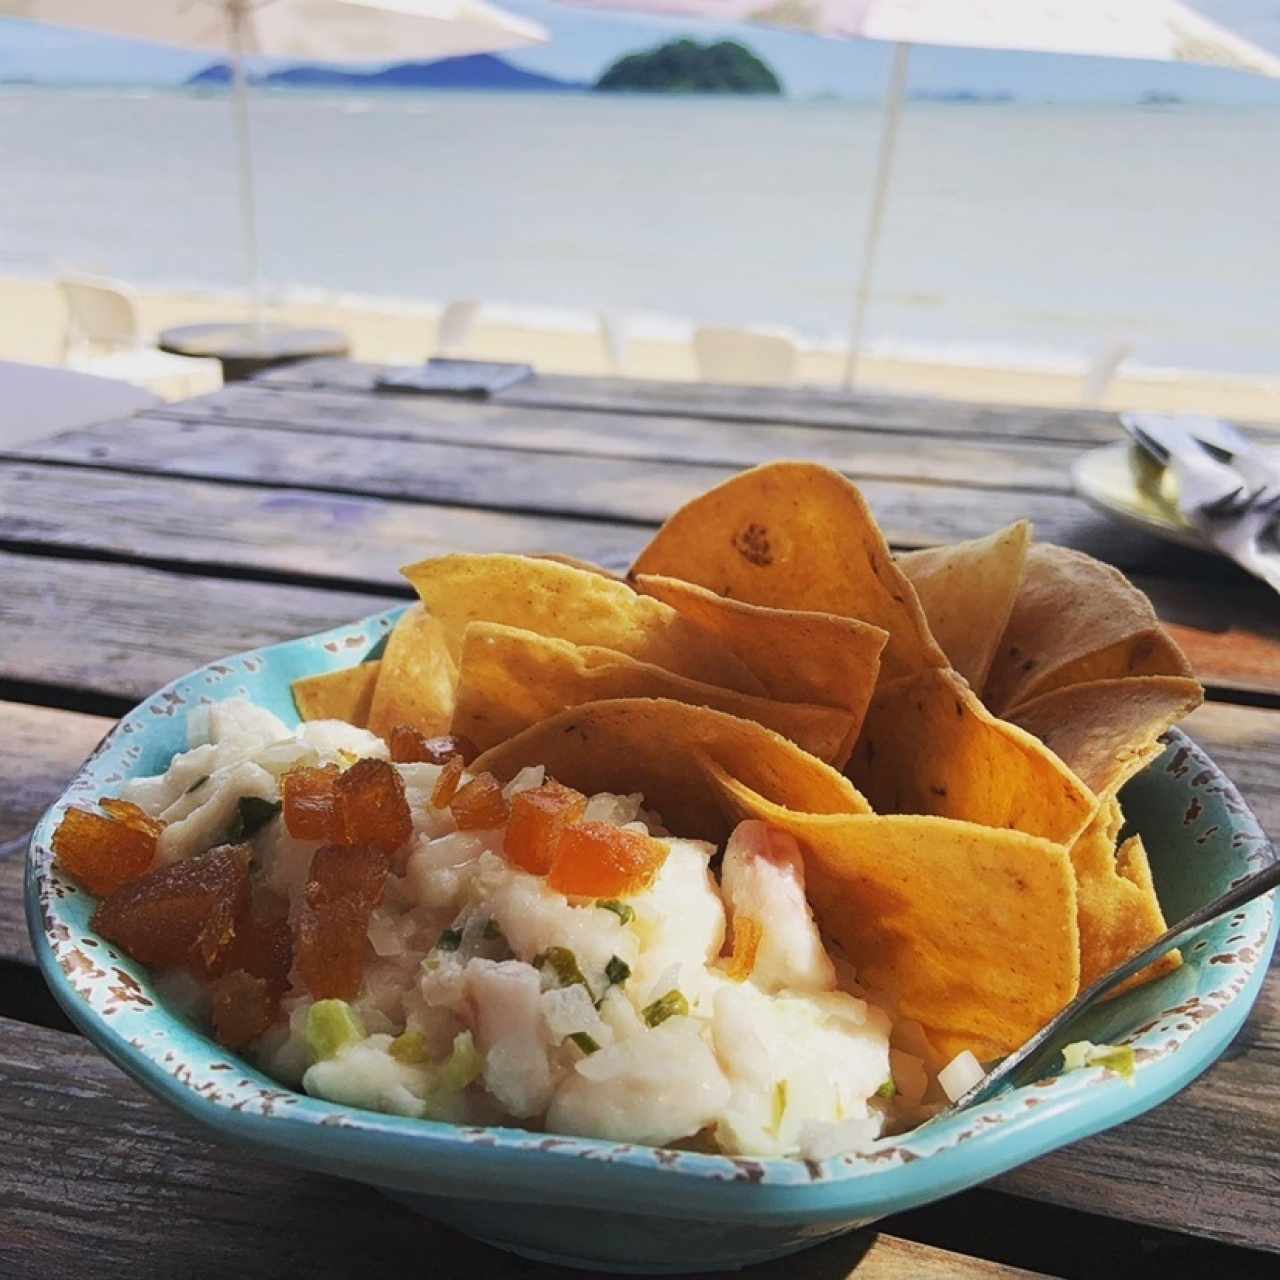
(895, 92)
(244, 155)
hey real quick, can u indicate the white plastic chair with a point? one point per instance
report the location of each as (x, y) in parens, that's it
(752, 357)
(38, 400)
(103, 337)
(1102, 369)
(613, 337)
(453, 330)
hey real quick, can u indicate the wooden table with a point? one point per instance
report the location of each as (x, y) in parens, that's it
(132, 551)
(246, 349)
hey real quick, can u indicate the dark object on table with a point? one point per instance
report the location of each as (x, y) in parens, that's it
(246, 349)
(443, 376)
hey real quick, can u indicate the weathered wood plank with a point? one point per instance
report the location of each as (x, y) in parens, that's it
(204, 522)
(619, 490)
(299, 532)
(1206, 1161)
(811, 406)
(1012, 464)
(98, 1179)
(1231, 631)
(816, 406)
(123, 631)
(42, 748)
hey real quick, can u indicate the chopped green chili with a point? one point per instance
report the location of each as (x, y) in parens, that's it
(563, 963)
(672, 1005)
(622, 910)
(584, 1042)
(617, 971)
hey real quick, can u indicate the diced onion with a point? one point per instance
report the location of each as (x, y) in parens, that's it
(960, 1074)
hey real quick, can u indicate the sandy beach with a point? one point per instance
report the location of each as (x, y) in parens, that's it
(33, 326)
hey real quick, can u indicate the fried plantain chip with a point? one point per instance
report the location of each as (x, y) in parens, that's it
(568, 603)
(510, 679)
(793, 535)
(1076, 620)
(797, 656)
(967, 590)
(971, 930)
(929, 746)
(415, 684)
(1107, 730)
(1119, 912)
(338, 695)
(658, 747)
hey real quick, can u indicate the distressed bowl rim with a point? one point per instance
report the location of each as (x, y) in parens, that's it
(515, 1165)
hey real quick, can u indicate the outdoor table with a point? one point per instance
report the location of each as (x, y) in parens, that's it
(136, 550)
(246, 349)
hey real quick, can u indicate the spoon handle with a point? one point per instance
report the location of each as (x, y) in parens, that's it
(1030, 1061)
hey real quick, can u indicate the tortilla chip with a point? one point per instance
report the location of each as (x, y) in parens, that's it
(338, 695)
(797, 656)
(967, 592)
(929, 746)
(1108, 730)
(415, 686)
(661, 748)
(972, 931)
(1119, 912)
(568, 603)
(511, 679)
(1076, 620)
(576, 562)
(792, 535)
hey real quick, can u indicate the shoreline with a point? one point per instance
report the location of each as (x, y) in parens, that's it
(560, 340)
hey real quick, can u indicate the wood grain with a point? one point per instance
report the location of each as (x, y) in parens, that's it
(616, 490)
(97, 1179)
(818, 406)
(124, 631)
(810, 406)
(1014, 464)
(41, 750)
(263, 529)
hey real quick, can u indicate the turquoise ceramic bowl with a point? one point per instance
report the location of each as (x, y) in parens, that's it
(618, 1206)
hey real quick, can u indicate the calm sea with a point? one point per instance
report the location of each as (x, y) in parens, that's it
(1015, 232)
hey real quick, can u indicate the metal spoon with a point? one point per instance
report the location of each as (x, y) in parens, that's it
(1031, 1061)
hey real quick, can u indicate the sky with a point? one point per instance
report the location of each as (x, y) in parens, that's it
(583, 43)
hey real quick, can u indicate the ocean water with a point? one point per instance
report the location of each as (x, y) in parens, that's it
(1014, 232)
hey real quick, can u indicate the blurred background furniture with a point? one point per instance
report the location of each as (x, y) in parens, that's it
(744, 356)
(103, 337)
(246, 349)
(454, 328)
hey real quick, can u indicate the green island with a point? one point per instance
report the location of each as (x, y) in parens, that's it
(685, 66)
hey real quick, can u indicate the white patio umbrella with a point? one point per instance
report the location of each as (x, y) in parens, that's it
(342, 31)
(1151, 30)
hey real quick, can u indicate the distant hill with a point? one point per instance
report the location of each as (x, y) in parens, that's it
(478, 71)
(684, 66)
